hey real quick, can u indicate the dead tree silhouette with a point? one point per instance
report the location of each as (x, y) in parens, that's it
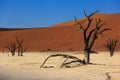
(89, 39)
(93, 34)
(20, 44)
(111, 44)
(16, 44)
(11, 46)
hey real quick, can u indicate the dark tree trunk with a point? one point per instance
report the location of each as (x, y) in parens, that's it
(18, 53)
(86, 56)
(13, 53)
(111, 52)
(19, 50)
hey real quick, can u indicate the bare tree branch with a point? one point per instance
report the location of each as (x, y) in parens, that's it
(93, 13)
(11, 46)
(110, 45)
(64, 56)
(90, 34)
(93, 34)
(20, 41)
(81, 27)
(105, 30)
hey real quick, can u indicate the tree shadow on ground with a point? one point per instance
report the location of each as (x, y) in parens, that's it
(97, 64)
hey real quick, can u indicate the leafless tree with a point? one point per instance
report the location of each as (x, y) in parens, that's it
(93, 34)
(89, 40)
(20, 45)
(110, 45)
(65, 63)
(11, 46)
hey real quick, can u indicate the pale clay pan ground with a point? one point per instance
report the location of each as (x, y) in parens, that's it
(28, 67)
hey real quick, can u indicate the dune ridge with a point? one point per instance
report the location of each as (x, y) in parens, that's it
(62, 37)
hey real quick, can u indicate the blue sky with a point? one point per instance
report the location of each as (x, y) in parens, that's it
(44, 13)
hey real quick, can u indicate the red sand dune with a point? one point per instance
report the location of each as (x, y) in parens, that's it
(61, 37)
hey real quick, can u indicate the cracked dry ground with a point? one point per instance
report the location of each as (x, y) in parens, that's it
(103, 67)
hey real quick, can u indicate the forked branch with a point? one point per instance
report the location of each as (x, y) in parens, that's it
(90, 37)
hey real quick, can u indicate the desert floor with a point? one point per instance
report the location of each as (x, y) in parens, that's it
(27, 67)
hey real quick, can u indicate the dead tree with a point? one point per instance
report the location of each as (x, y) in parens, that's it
(110, 45)
(89, 39)
(11, 46)
(93, 34)
(20, 45)
(64, 56)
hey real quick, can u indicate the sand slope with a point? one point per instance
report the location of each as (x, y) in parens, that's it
(28, 67)
(61, 37)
